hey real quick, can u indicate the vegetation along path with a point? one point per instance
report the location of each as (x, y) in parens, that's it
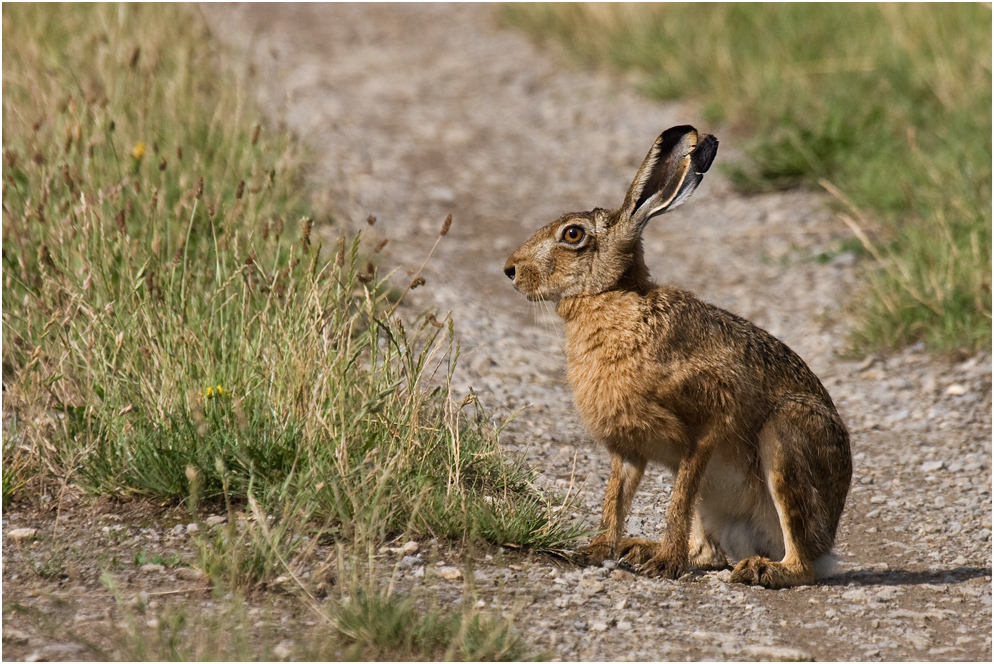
(416, 112)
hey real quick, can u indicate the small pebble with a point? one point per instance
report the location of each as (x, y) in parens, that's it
(283, 650)
(189, 574)
(21, 534)
(450, 573)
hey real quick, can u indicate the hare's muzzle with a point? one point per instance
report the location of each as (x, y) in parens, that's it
(518, 277)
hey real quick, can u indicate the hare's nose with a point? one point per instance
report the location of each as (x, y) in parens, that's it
(509, 271)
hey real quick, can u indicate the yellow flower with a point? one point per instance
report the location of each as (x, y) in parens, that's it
(212, 392)
(138, 151)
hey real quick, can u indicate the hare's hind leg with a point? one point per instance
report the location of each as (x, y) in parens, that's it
(805, 460)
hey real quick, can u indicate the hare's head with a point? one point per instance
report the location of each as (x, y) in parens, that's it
(586, 253)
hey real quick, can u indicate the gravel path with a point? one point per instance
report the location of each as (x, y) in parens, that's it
(419, 111)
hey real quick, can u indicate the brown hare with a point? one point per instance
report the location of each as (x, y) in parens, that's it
(760, 455)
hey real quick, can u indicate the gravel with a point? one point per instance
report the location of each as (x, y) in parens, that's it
(419, 111)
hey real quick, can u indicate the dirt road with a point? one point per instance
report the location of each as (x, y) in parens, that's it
(419, 111)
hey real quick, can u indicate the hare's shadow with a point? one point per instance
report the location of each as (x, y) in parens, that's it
(901, 577)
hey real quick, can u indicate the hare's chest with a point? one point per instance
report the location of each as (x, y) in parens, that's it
(613, 383)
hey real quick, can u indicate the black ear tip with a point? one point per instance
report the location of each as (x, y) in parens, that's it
(672, 137)
(704, 153)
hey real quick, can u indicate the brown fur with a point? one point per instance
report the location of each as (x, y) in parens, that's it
(761, 457)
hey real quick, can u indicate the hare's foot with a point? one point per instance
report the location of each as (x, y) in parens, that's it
(704, 551)
(665, 564)
(599, 550)
(637, 550)
(704, 556)
(759, 571)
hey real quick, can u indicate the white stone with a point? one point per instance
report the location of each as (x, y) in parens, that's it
(282, 650)
(189, 574)
(450, 573)
(18, 534)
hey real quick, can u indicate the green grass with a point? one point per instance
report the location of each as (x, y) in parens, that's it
(362, 626)
(888, 107)
(173, 330)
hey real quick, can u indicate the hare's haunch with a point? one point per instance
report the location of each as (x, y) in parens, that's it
(760, 454)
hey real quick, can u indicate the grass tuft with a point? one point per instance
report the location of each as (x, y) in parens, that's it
(890, 105)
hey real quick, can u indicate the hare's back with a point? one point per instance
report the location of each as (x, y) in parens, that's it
(739, 354)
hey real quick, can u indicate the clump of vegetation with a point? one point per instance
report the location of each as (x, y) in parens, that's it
(364, 625)
(888, 107)
(164, 323)
(173, 328)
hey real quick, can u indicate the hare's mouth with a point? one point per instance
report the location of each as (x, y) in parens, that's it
(540, 296)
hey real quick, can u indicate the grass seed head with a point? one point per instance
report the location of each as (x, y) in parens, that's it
(46, 256)
(305, 232)
(445, 226)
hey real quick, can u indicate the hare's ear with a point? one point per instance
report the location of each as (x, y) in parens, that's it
(674, 167)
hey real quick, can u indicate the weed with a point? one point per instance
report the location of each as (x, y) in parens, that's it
(382, 626)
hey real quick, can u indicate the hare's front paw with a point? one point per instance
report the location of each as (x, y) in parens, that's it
(666, 565)
(636, 550)
(759, 571)
(596, 552)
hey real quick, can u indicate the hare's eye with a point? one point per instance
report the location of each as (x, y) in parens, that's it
(573, 234)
